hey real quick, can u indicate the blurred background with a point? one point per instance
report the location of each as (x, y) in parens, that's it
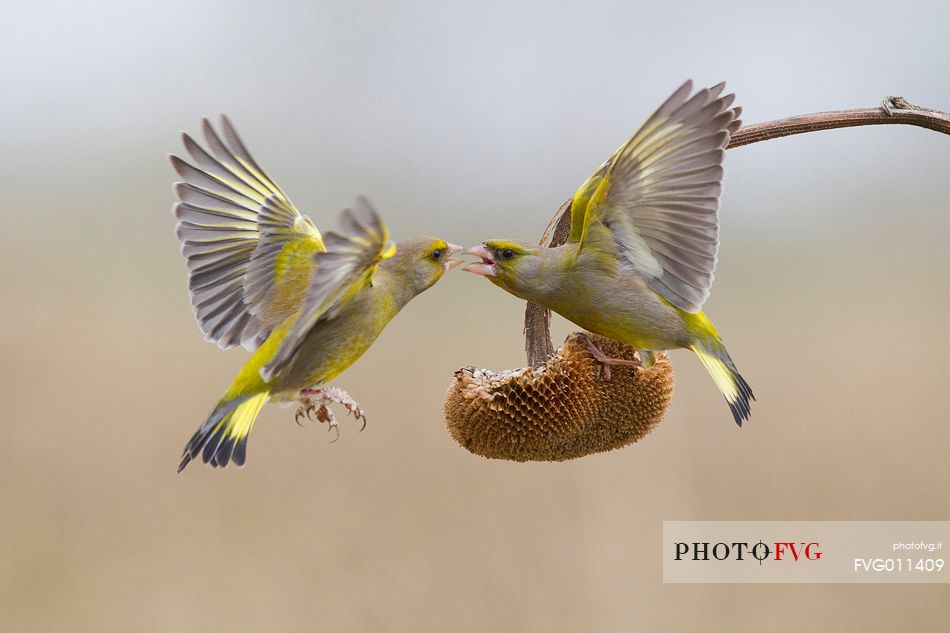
(467, 121)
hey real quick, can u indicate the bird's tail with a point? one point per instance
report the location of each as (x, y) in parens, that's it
(717, 362)
(222, 437)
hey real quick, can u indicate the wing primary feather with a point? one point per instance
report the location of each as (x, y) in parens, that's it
(232, 175)
(666, 181)
(234, 223)
(240, 151)
(210, 184)
(263, 185)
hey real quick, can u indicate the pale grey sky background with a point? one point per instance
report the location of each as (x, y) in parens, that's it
(475, 115)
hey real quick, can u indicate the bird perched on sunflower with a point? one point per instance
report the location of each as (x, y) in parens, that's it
(638, 263)
(261, 275)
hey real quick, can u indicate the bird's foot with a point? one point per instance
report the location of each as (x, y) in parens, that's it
(607, 361)
(315, 405)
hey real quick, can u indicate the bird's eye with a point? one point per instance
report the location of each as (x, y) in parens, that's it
(507, 253)
(436, 255)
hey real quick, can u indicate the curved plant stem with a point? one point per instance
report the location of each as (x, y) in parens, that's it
(893, 111)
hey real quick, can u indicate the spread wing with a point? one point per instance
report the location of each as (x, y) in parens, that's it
(659, 195)
(345, 268)
(248, 248)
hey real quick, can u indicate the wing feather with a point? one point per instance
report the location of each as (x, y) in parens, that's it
(234, 224)
(347, 266)
(659, 194)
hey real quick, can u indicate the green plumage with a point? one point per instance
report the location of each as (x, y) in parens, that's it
(261, 274)
(639, 260)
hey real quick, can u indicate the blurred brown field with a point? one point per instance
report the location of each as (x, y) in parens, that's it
(397, 527)
(831, 293)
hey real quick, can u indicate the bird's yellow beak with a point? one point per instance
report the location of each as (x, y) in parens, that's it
(452, 262)
(486, 267)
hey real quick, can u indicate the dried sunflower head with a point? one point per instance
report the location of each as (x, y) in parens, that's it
(562, 410)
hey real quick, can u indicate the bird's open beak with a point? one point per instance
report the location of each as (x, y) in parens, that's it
(452, 262)
(486, 267)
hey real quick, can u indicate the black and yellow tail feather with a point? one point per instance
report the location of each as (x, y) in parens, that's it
(222, 437)
(733, 386)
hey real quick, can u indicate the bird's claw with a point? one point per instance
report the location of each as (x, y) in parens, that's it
(606, 361)
(307, 409)
(314, 404)
(335, 427)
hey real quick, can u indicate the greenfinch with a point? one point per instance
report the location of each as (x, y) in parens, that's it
(261, 275)
(639, 260)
